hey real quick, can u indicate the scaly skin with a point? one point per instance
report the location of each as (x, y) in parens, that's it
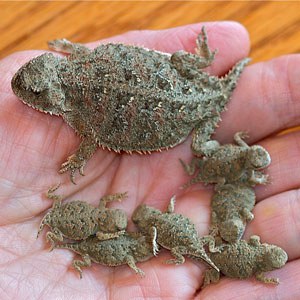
(127, 98)
(125, 249)
(246, 259)
(231, 207)
(175, 232)
(229, 163)
(78, 220)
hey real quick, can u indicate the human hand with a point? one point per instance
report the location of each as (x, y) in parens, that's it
(33, 145)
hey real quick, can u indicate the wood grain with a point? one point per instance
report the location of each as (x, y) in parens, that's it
(273, 26)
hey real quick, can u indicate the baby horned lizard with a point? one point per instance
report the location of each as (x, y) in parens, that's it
(231, 210)
(174, 232)
(78, 220)
(125, 249)
(230, 163)
(127, 98)
(243, 260)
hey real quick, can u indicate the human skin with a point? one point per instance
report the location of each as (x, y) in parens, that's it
(33, 145)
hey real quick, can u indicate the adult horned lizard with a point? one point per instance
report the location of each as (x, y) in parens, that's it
(78, 220)
(245, 259)
(127, 98)
(174, 232)
(125, 249)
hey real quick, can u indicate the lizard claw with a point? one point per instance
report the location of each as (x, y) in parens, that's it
(73, 164)
(81, 171)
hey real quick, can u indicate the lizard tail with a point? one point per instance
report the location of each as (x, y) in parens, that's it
(190, 182)
(71, 246)
(45, 221)
(229, 81)
(203, 257)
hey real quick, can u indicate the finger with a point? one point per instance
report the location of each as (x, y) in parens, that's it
(276, 221)
(283, 172)
(230, 39)
(265, 101)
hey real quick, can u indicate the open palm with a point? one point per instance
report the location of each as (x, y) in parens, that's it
(33, 145)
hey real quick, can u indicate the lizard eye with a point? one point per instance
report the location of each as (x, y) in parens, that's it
(37, 93)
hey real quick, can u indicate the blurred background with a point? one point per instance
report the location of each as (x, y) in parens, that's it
(274, 27)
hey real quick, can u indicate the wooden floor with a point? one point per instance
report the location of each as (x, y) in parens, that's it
(274, 26)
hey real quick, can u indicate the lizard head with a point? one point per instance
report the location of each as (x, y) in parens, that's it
(259, 158)
(142, 215)
(274, 258)
(37, 84)
(112, 219)
(232, 230)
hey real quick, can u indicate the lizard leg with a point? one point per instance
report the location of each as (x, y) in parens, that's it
(78, 160)
(102, 236)
(190, 64)
(153, 236)
(67, 47)
(171, 206)
(209, 239)
(258, 177)
(57, 199)
(110, 198)
(210, 276)
(54, 236)
(177, 252)
(190, 168)
(131, 263)
(202, 50)
(201, 143)
(85, 262)
(247, 214)
(239, 139)
(261, 277)
(254, 240)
